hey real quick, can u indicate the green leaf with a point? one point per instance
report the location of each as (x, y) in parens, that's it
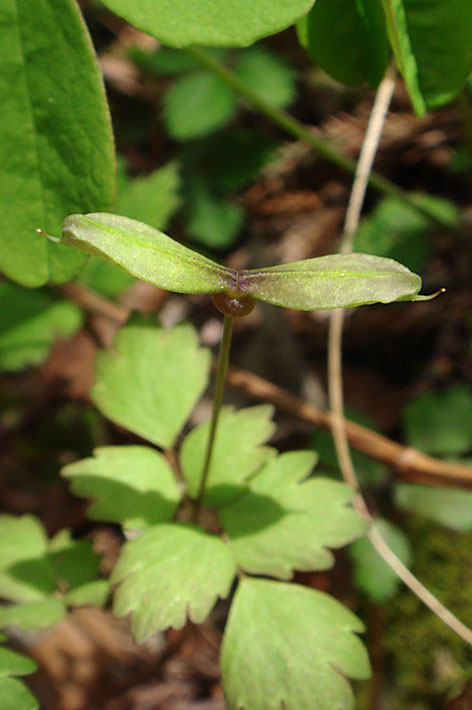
(30, 322)
(347, 38)
(153, 198)
(105, 278)
(169, 572)
(448, 506)
(56, 146)
(152, 379)
(33, 616)
(432, 43)
(287, 644)
(231, 24)
(212, 220)
(237, 452)
(372, 574)
(268, 75)
(281, 523)
(25, 572)
(74, 561)
(196, 105)
(341, 280)
(132, 485)
(91, 594)
(440, 422)
(13, 693)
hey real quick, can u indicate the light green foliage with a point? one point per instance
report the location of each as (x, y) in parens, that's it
(237, 453)
(432, 43)
(131, 485)
(13, 693)
(33, 570)
(153, 199)
(286, 522)
(234, 23)
(372, 574)
(30, 322)
(288, 644)
(340, 280)
(56, 147)
(448, 506)
(196, 105)
(152, 379)
(347, 38)
(400, 232)
(267, 74)
(440, 422)
(211, 220)
(169, 572)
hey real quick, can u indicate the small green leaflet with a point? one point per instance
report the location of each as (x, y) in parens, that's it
(152, 379)
(286, 522)
(326, 282)
(169, 572)
(291, 646)
(132, 485)
(447, 506)
(13, 693)
(230, 464)
(234, 23)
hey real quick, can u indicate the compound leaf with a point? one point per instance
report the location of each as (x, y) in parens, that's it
(56, 145)
(169, 572)
(33, 616)
(152, 198)
(13, 693)
(371, 573)
(196, 105)
(152, 379)
(131, 485)
(30, 322)
(74, 561)
(347, 39)
(237, 452)
(235, 23)
(432, 43)
(292, 646)
(212, 220)
(268, 74)
(26, 574)
(281, 523)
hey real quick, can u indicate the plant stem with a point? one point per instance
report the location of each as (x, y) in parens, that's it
(296, 129)
(220, 381)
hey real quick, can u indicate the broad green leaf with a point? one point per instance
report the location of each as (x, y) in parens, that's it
(196, 105)
(212, 220)
(347, 38)
(56, 146)
(371, 573)
(153, 198)
(131, 485)
(90, 594)
(440, 422)
(152, 379)
(290, 645)
(74, 561)
(237, 452)
(432, 42)
(30, 322)
(341, 280)
(268, 74)
(448, 506)
(105, 278)
(282, 523)
(33, 616)
(15, 696)
(145, 252)
(26, 574)
(236, 23)
(169, 572)
(13, 693)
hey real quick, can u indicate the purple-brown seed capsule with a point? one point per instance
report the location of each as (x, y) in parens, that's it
(234, 306)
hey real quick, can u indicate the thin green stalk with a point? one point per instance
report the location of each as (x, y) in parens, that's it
(296, 129)
(220, 381)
